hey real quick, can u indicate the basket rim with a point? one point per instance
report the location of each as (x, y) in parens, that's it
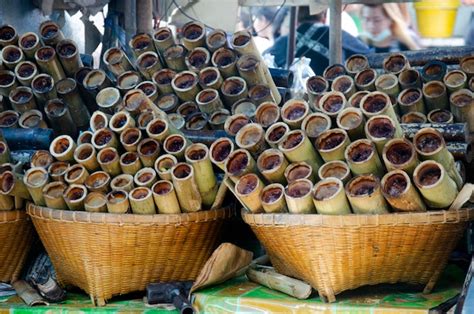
(68, 216)
(353, 220)
(9, 216)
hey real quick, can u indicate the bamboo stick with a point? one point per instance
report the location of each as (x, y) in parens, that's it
(400, 193)
(362, 158)
(333, 71)
(210, 77)
(7, 82)
(355, 64)
(67, 90)
(414, 117)
(165, 198)
(365, 195)
(332, 103)
(43, 88)
(148, 63)
(440, 116)
(184, 181)
(48, 62)
(298, 197)
(25, 71)
(163, 38)
(316, 86)
(98, 181)
(141, 201)
(76, 174)
(130, 139)
(175, 57)
(50, 33)
(116, 61)
(461, 104)
(365, 80)
(8, 35)
(193, 35)
(436, 187)
(197, 59)
(252, 138)
(57, 170)
(335, 169)
(9, 119)
(53, 195)
(148, 149)
(297, 147)
(185, 85)
(218, 118)
(294, 111)
(233, 89)
(455, 80)
(103, 138)
(35, 179)
(41, 158)
(435, 95)
(238, 163)
(248, 189)
(380, 129)
(68, 53)
(145, 177)
(95, 202)
(108, 159)
(74, 196)
(352, 121)
(21, 99)
(267, 114)
(60, 118)
(400, 154)
(108, 99)
(344, 84)
(276, 133)
(32, 119)
(122, 182)
(396, 63)
(127, 81)
(208, 101)
(411, 100)
(329, 197)
(117, 202)
(331, 144)
(299, 170)
(225, 60)
(11, 56)
(141, 43)
(216, 39)
(62, 148)
(433, 70)
(163, 79)
(121, 121)
(220, 150)
(150, 89)
(272, 164)
(410, 78)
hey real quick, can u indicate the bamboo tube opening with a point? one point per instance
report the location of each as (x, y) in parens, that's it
(332, 103)
(331, 140)
(149, 88)
(467, 65)
(409, 78)
(375, 103)
(108, 155)
(197, 152)
(144, 119)
(198, 58)
(3, 147)
(147, 60)
(94, 79)
(461, 98)
(83, 152)
(9, 118)
(209, 77)
(7, 182)
(267, 114)
(21, 95)
(334, 168)
(276, 133)
(360, 151)
(440, 116)
(53, 194)
(128, 80)
(292, 140)
(123, 182)
(428, 141)
(187, 109)
(108, 98)
(343, 84)
(234, 86)
(184, 81)
(234, 123)
(162, 187)
(26, 70)
(57, 170)
(269, 160)
(75, 193)
(428, 173)
(117, 197)
(103, 138)
(182, 171)
(218, 118)
(164, 164)
(250, 135)
(247, 184)
(349, 119)
(74, 173)
(223, 58)
(197, 121)
(174, 143)
(145, 176)
(299, 170)
(414, 117)
(41, 158)
(7, 79)
(241, 39)
(333, 71)
(67, 49)
(399, 152)
(260, 93)
(299, 188)
(396, 184)
(409, 96)
(174, 52)
(216, 39)
(7, 33)
(98, 121)
(244, 106)
(163, 77)
(356, 63)
(49, 30)
(141, 42)
(207, 95)
(85, 137)
(272, 194)
(193, 31)
(395, 63)
(32, 119)
(129, 158)
(455, 78)
(42, 83)
(380, 127)
(220, 150)
(316, 85)
(113, 56)
(61, 146)
(365, 78)
(433, 70)
(45, 54)
(434, 89)
(363, 185)
(327, 189)
(36, 177)
(12, 55)
(162, 34)
(237, 162)
(294, 111)
(387, 81)
(150, 147)
(168, 103)
(120, 121)
(157, 127)
(95, 202)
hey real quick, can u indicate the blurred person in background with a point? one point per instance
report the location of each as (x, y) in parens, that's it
(263, 19)
(386, 27)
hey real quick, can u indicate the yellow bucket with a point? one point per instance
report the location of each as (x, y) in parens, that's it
(436, 18)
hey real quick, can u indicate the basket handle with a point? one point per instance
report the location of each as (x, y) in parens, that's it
(463, 196)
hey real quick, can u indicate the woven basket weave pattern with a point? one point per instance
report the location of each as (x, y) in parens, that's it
(16, 237)
(110, 254)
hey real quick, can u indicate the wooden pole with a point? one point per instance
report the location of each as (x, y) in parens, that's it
(335, 32)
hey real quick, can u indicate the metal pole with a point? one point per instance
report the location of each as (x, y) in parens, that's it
(335, 32)
(290, 51)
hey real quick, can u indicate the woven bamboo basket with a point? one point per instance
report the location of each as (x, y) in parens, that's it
(338, 253)
(110, 254)
(16, 239)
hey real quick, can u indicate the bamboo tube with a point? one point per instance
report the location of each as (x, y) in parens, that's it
(175, 57)
(121, 121)
(175, 145)
(122, 182)
(12, 184)
(25, 71)
(355, 64)
(62, 148)
(185, 85)
(198, 156)
(466, 65)
(108, 99)
(316, 86)
(331, 144)
(440, 116)
(219, 152)
(43, 88)
(128, 81)
(298, 197)
(163, 166)
(335, 169)
(69, 56)
(414, 117)
(9, 119)
(165, 198)
(197, 59)
(276, 133)
(248, 189)
(400, 193)
(380, 129)
(7, 82)
(150, 89)
(226, 61)
(95, 202)
(234, 123)
(32, 119)
(365, 80)
(332, 103)
(238, 163)
(21, 99)
(210, 77)
(53, 195)
(294, 111)
(158, 129)
(79, 76)
(299, 170)
(4, 153)
(461, 104)
(378, 103)
(352, 121)
(272, 198)
(60, 118)
(130, 163)
(98, 181)
(316, 123)
(141, 201)
(396, 63)
(267, 114)
(163, 79)
(76, 174)
(260, 94)
(216, 39)
(103, 138)
(116, 61)
(187, 109)
(144, 118)
(148, 63)
(50, 33)
(329, 197)
(252, 138)
(218, 118)
(95, 81)
(8, 35)
(67, 90)
(149, 149)
(99, 120)
(35, 179)
(244, 106)
(141, 43)
(272, 164)
(455, 80)
(233, 89)
(117, 202)
(108, 159)
(193, 35)
(365, 195)
(184, 181)
(11, 56)
(169, 103)
(388, 84)
(437, 188)
(344, 84)
(333, 71)
(130, 138)
(411, 100)
(163, 38)
(57, 170)
(362, 158)
(430, 145)
(48, 63)
(410, 78)
(400, 154)
(41, 158)
(208, 101)
(297, 147)
(145, 177)
(435, 95)
(433, 70)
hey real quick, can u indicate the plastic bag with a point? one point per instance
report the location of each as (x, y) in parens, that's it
(302, 71)
(269, 60)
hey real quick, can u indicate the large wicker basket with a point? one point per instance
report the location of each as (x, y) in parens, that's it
(338, 253)
(111, 254)
(16, 239)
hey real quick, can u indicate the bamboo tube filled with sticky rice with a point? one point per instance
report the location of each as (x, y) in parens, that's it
(165, 198)
(400, 193)
(184, 182)
(98, 181)
(298, 197)
(252, 138)
(117, 202)
(330, 198)
(335, 169)
(299, 170)
(316, 123)
(248, 189)
(276, 133)
(316, 86)
(272, 198)
(365, 195)
(331, 144)
(352, 121)
(238, 163)
(234, 123)
(297, 147)
(381, 129)
(362, 158)
(272, 164)
(220, 150)
(332, 103)
(293, 112)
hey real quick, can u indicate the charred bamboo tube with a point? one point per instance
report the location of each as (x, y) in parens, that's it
(53, 195)
(238, 163)
(210, 77)
(273, 198)
(355, 64)
(365, 195)
(22, 100)
(218, 118)
(187, 191)
(150, 89)
(378, 103)
(4, 153)
(163, 166)
(396, 63)
(148, 63)
(208, 101)
(260, 94)
(95, 202)
(352, 121)
(365, 80)
(108, 99)
(315, 87)
(25, 72)
(388, 84)
(95, 81)
(48, 63)
(145, 177)
(11, 56)
(60, 118)
(248, 189)
(62, 148)
(381, 129)
(108, 159)
(298, 197)
(330, 198)
(121, 121)
(440, 116)
(433, 70)
(103, 138)
(35, 179)
(163, 38)
(76, 174)
(461, 104)
(185, 85)
(400, 154)
(297, 147)
(335, 169)
(282, 77)
(148, 149)
(244, 106)
(267, 114)
(9, 119)
(233, 89)
(57, 170)
(410, 78)
(197, 59)
(216, 39)
(435, 185)
(430, 145)
(7, 82)
(252, 138)
(411, 100)
(158, 129)
(123, 182)
(332, 103)
(193, 35)
(99, 120)
(117, 202)
(234, 123)
(116, 61)
(197, 155)
(331, 144)
(187, 109)
(272, 164)
(175, 57)
(461, 151)
(451, 132)
(169, 103)
(141, 201)
(141, 43)
(85, 154)
(333, 71)
(175, 145)
(344, 84)
(414, 117)
(69, 56)
(41, 158)
(316, 123)
(130, 163)
(455, 80)
(220, 150)
(50, 33)
(165, 198)
(226, 61)
(294, 111)
(67, 90)
(435, 95)
(362, 158)
(12, 184)
(276, 133)
(400, 193)
(299, 170)
(43, 88)
(128, 81)
(8, 35)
